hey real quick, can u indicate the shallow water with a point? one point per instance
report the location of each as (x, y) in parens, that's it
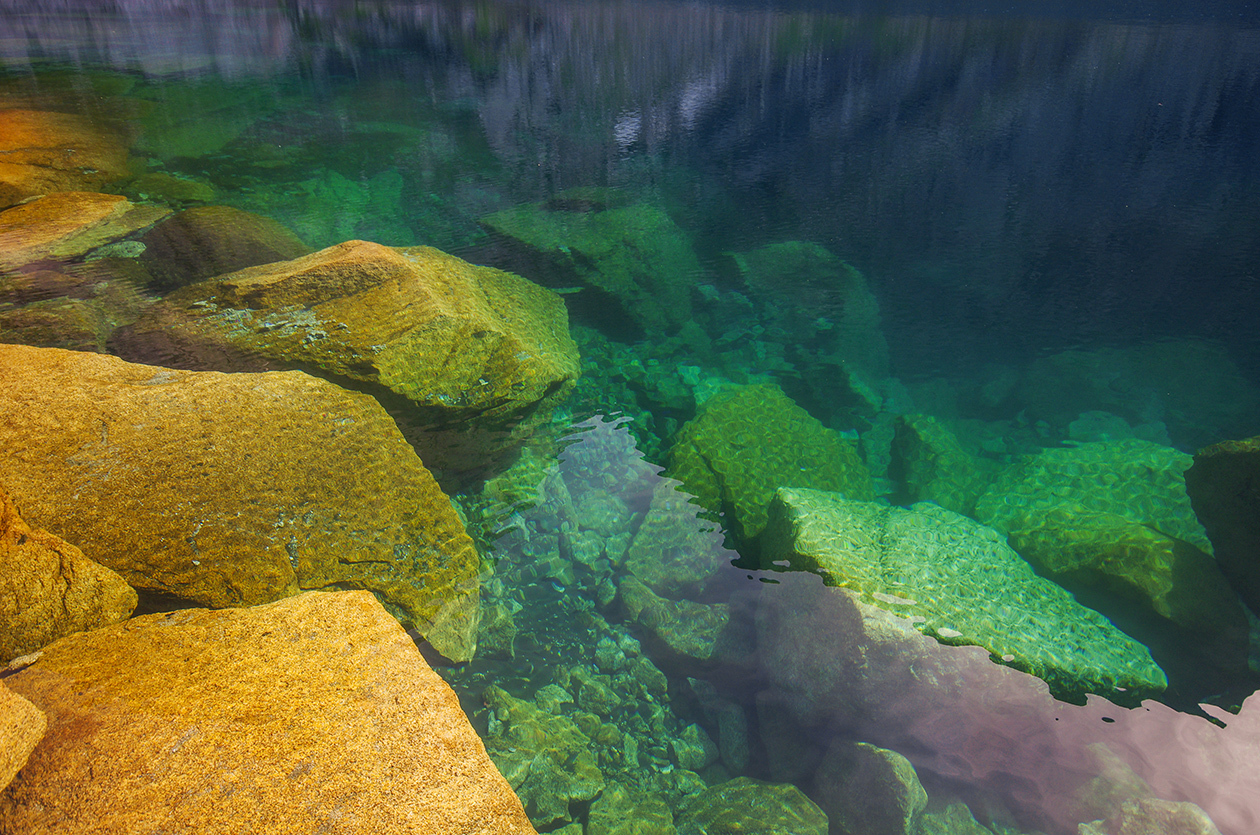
(1047, 222)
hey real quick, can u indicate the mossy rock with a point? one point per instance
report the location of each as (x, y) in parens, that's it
(747, 443)
(745, 806)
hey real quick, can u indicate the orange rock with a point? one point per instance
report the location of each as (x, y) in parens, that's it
(48, 589)
(67, 224)
(445, 344)
(22, 725)
(311, 714)
(43, 152)
(232, 489)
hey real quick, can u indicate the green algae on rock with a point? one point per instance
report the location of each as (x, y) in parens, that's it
(959, 581)
(749, 442)
(234, 489)
(868, 790)
(635, 254)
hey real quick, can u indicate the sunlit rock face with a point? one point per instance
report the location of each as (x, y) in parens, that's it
(314, 713)
(448, 345)
(234, 489)
(48, 589)
(22, 725)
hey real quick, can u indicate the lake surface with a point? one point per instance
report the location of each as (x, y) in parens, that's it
(1005, 259)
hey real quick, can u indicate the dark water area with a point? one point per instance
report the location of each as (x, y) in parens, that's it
(989, 270)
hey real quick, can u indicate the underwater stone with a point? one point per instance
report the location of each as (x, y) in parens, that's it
(1153, 816)
(635, 254)
(675, 551)
(958, 580)
(620, 811)
(746, 444)
(48, 589)
(546, 758)
(1224, 488)
(46, 152)
(932, 466)
(687, 628)
(745, 806)
(1112, 521)
(867, 790)
(22, 726)
(812, 295)
(954, 819)
(234, 489)
(66, 225)
(279, 718)
(694, 749)
(496, 634)
(206, 241)
(445, 344)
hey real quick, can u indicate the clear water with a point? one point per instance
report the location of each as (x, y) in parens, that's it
(1054, 213)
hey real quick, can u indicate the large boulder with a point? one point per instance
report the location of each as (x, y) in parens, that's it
(234, 489)
(43, 152)
(748, 442)
(1111, 522)
(444, 343)
(22, 726)
(68, 224)
(48, 589)
(206, 241)
(1224, 488)
(959, 581)
(930, 465)
(314, 713)
(868, 790)
(632, 256)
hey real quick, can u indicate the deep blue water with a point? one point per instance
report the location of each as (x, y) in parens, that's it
(1055, 207)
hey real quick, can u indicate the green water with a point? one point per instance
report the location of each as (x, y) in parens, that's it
(822, 267)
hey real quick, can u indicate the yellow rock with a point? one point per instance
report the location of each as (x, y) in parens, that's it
(67, 224)
(22, 726)
(311, 714)
(43, 152)
(48, 589)
(234, 489)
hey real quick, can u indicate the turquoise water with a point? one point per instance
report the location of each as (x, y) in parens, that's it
(973, 285)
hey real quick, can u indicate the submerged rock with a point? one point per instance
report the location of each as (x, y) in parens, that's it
(68, 224)
(813, 296)
(1153, 816)
(635, 255)
(546, 758)
(43, 152)
(1112, 523)
(932, 466)
(444, 343)
(745, 806)
(674, 552)
(48, 589)
(231, 489)
(1224, 487)
(747, 443)
(206, 241)
(314, 713)
(958, 580)
(619, 811)
(868, 790)
(691, 630)
(22, 726)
